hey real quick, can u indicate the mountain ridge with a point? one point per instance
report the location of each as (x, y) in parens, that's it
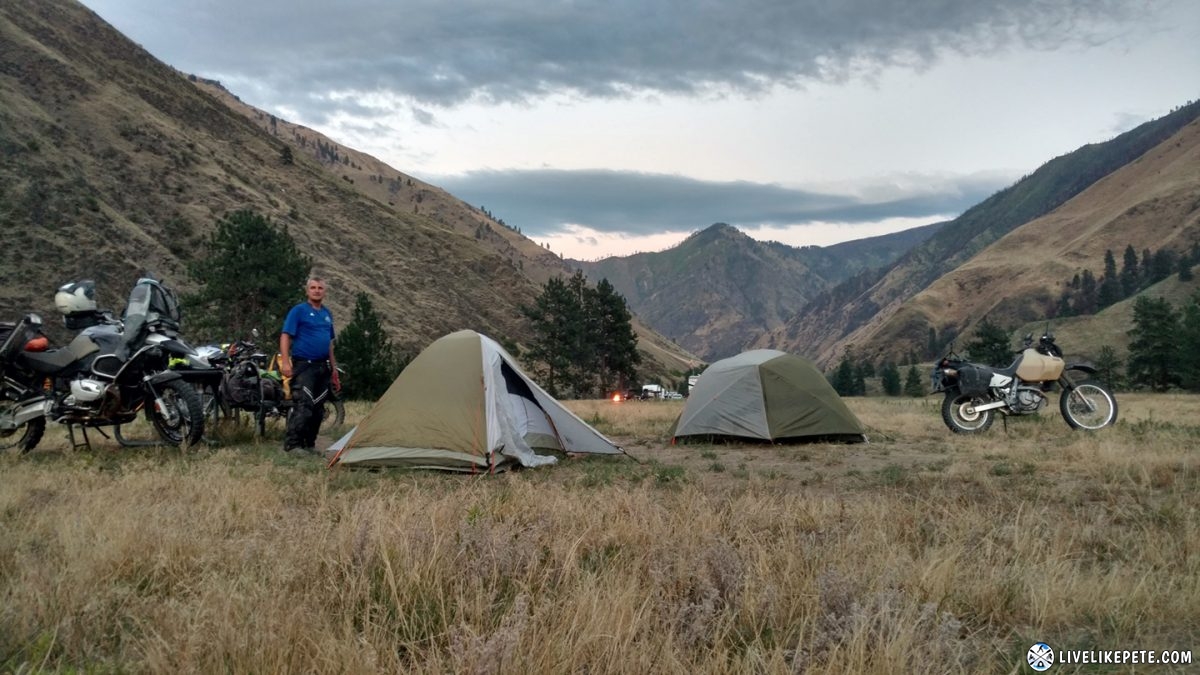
(719, 288)
(856, 312)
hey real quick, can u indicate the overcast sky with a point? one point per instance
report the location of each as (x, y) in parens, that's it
(607, 127)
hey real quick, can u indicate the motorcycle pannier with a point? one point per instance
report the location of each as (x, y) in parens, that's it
(973, 380)
(243, 388)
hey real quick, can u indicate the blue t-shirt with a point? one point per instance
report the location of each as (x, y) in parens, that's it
(311, 331)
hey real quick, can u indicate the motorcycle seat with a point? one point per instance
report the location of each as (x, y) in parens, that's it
(54, 360)
(50, 361)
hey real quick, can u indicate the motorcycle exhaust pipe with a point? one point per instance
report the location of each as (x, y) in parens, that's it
(26, 412)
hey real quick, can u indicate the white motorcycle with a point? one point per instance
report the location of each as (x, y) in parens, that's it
(973, 392)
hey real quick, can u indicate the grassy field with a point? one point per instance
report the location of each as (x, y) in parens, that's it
(918, 552)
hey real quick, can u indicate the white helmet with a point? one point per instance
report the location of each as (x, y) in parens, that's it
(77, 296)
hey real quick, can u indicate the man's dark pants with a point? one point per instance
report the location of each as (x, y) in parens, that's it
(310, 388)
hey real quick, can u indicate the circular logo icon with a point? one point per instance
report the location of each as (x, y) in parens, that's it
(1040, 657)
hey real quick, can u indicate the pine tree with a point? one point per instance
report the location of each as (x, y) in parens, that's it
(366, 353)
(1153, 349)
(250, 276)
(1110, 285)
(1130, 275)
(912, 382)
(1086, 300)
(990, 345)
(1162, 265)
(1189, 345)
(866, 368)
(556, 317)
(615, 344)
(584, 343)
(843, 379)
(1064, 304)
(890, 379)
(583, 352)
(1108, 367)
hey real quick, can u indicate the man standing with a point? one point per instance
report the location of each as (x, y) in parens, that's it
(306, 356)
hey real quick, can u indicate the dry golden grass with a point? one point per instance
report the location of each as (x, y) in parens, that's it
(920, 551)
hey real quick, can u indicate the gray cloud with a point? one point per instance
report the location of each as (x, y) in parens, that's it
(540, 202)
(445, 52)
(423, 117)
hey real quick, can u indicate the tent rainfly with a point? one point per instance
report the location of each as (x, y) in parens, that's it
(463, 404)
(769, 395)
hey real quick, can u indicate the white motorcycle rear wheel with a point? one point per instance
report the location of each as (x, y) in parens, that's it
(960, 415)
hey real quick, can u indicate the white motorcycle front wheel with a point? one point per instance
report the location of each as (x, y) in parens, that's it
(960, 415)
(1088, 406)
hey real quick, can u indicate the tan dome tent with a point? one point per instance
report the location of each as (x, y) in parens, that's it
(463, 404)
(769, 395)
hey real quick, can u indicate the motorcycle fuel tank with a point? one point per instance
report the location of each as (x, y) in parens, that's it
(1035, 367)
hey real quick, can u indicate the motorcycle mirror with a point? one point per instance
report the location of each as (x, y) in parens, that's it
(254, 333)
(1047, 336)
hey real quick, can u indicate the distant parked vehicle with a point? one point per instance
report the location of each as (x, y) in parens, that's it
(650, 391)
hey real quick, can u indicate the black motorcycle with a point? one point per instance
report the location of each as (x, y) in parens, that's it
(973, 391)
(253, 384)
(115, 369)
(22, 401)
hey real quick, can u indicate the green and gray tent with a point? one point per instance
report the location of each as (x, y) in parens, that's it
(766, 394)
(463, 404)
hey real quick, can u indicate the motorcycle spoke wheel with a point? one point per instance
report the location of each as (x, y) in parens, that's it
(961, 417)
(181, 419)
(213, 405)
(24, 438)
(1089, 406)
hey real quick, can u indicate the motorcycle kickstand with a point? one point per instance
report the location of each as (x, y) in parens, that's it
(75, 446)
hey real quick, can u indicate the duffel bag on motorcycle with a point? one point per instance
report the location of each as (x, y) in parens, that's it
(246, 387)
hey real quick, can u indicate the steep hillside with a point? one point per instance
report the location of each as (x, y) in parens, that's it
(397, 190)
(114, 164)
(402, 192)
(719, 289)
(1147, 200)
(1081, 337)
